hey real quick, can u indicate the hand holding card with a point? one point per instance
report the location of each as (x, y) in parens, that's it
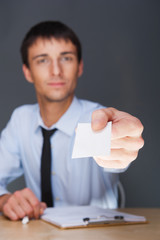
(89, 143)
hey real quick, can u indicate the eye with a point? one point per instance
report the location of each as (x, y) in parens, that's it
(66, 59)
(43, 61)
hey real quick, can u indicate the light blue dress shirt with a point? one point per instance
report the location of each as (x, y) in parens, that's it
(74, 181)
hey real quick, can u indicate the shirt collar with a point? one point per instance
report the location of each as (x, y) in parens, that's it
(68, 122)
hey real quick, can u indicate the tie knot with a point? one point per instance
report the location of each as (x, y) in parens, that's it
(48, 133)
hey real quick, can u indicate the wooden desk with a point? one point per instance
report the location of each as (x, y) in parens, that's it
(38, 230)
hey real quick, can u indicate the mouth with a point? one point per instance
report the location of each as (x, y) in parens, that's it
(56, 84)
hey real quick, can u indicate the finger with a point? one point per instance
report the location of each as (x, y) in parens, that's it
(24, 203)
(8, 212)
(101, 116)
(116, 164)
(99, 119)
(36, 207)
(123, 124)
(128, 126)
(120, 154)
(43, 206)
(129, 143)
(12, 209)
(33, 201)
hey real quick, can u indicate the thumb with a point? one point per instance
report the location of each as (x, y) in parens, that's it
(43, 206)
(99, 119)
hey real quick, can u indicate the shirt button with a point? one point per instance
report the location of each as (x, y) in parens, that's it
(53, 173)
(57, 198)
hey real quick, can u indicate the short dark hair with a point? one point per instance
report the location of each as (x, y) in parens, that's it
(47, 30)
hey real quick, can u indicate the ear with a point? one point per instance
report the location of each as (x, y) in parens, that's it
(27, 73)
(80, 70)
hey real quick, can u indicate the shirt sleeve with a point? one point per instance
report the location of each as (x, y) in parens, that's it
(10, 164)
(115, 170)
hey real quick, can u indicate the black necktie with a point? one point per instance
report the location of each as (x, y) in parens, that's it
(46, 187)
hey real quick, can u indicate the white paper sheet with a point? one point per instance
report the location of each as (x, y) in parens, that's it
(89, 143)
(74, 216)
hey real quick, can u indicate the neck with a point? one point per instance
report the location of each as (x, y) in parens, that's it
(51, 112)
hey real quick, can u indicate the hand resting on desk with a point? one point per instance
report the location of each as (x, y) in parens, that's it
(20, 204)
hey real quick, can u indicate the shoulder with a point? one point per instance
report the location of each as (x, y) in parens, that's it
(24, 112)
(21, 118)
(25, 109)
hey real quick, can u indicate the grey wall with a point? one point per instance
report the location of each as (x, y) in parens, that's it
(120, 41)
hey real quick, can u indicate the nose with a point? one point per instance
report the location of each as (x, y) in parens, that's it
(55, 68)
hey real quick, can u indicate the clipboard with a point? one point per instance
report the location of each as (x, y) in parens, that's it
(88, 216)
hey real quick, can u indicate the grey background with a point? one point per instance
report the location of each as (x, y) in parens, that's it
(121, 54)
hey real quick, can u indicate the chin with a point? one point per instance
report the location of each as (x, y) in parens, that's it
(60, 98)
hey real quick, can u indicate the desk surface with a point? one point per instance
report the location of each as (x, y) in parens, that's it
(38, 229)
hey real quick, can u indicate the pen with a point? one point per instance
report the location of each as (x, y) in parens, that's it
(98, 220)
(25, 220)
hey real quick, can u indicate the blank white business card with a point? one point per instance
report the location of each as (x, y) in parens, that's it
(89, 143)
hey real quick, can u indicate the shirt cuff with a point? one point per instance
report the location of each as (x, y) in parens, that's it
(115, 170)
(3, 191)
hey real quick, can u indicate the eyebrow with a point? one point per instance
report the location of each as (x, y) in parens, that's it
(62, 53)
(69, 52)
(40, 55)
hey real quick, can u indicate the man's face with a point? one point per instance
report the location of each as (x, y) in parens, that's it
(53, 69)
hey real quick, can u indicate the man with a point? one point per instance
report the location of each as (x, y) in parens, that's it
(51, 54)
